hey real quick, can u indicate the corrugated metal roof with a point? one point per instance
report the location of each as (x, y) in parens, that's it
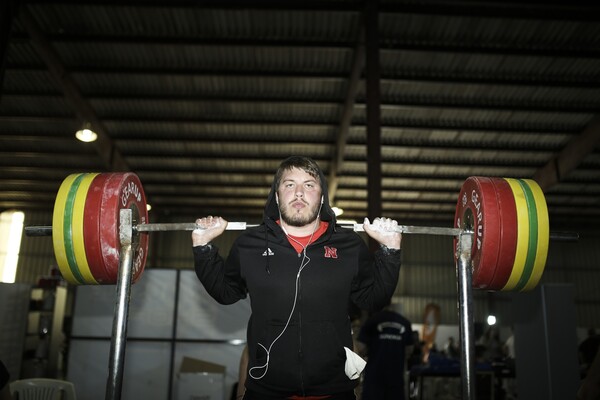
(206, 93)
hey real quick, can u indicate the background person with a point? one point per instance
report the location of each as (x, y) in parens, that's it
(387, 337)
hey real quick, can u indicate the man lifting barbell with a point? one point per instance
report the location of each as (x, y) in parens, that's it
(301, 272)
(100, 236)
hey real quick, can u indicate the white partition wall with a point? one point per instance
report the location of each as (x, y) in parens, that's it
(146, 373)
(170, 317)
(14, 304)
(200, 317)
(207, 330)
(151, 308)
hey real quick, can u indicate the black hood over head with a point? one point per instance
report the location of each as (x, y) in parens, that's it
(272, 209)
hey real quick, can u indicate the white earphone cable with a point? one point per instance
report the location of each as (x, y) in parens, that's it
(303, 263)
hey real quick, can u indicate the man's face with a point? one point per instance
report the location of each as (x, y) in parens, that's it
(299, 197)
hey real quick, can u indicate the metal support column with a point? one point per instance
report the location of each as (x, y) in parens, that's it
(465, 309)
(118, 341)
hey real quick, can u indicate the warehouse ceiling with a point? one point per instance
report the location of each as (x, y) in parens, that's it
(203, 99)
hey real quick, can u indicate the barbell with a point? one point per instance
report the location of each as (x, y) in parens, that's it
(507, 217)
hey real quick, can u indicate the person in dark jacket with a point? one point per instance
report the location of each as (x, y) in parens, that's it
(300, 270)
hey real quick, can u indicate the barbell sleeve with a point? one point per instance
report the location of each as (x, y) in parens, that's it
(38, 231)
(564, 236)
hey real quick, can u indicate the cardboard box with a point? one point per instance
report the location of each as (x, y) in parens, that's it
(200, 380)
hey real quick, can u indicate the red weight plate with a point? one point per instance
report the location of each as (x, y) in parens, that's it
(122, 190)
(508, 233)
(477, 210)
(91, 230)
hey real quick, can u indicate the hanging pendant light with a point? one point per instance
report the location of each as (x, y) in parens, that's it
(86, 134)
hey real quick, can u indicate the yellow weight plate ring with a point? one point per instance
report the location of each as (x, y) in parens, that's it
(522, 234)
(68, 229)
(77, 229)
(543, 234)
(58, 219)
(533, 236)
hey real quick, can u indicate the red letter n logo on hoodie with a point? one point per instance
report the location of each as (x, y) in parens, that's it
(330, 252)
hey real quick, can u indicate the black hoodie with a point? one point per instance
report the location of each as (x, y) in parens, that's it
(306, 357)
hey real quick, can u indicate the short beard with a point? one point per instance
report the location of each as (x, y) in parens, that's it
(297, 220)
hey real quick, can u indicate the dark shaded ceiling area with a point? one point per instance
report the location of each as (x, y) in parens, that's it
(203, 100)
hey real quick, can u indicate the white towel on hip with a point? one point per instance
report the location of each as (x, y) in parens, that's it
(354, 364)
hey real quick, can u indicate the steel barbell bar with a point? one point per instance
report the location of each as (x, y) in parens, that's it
(46, 230)
(236, 226)
(240, 226)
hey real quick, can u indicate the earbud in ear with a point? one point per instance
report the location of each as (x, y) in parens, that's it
(276, 199)
(322, 197)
